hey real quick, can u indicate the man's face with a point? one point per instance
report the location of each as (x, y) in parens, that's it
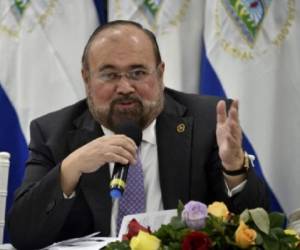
(114, 95)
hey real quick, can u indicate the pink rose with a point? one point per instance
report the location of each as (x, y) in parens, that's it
(194, 214)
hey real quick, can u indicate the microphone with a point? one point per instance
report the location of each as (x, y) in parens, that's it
(119, 176)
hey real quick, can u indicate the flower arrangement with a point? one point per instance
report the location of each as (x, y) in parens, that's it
(202, 227)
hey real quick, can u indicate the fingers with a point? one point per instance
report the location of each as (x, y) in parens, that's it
(233, 120)
(120, 154)
(233, 111)
(222, 116)
(221, 112)
(229, 135)
(121, 141)
(119, 148)
(228, 124)
(93, 155)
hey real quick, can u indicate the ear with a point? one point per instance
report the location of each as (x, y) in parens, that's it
(161, 70)
(85, 75)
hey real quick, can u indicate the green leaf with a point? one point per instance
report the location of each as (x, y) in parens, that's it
(276, 219)
(276, 233)
(245, 215)
(180, 208)
(118, 245)
(270, 244)
(177, 223)
(261, 219)
(175, 246)
(259, 239)
(169, 234)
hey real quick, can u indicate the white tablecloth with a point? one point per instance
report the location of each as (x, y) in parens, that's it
(6, 247)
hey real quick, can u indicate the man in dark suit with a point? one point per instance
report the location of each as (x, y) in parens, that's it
(191, 147)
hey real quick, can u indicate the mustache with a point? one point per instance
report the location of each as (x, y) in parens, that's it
(123, 99)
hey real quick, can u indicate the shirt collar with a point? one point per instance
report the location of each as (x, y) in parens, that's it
(149, 134)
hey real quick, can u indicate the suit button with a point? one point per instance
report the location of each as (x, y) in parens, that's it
(50, 207)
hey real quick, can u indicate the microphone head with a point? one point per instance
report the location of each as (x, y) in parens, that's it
(118, 182)
(116, 193)
(132, 130)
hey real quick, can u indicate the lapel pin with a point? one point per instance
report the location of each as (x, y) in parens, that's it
(180, 128)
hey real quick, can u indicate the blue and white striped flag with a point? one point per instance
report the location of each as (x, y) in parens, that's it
(253, 46)
(41, 42)
(177, 25)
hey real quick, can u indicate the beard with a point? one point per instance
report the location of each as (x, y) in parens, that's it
(142, 113)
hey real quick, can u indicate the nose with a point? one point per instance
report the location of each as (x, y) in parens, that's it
(124, 86)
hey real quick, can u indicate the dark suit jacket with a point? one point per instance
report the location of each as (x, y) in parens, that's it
(189, 169)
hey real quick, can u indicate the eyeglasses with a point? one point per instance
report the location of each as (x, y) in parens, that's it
(135, 75)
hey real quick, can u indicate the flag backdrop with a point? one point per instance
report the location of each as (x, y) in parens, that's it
(178, 27)
(253, 46)
(41, 42)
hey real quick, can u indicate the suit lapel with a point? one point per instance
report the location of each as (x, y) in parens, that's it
(95, 186)
(174, 133)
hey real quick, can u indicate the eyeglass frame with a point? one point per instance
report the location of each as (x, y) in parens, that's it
(118, 75)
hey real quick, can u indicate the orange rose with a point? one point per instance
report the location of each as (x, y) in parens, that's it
(244, 236)
(218, 209)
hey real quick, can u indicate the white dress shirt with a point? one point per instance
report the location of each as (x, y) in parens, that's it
(149, 159)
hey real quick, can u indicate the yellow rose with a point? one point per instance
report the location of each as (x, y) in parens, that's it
(293, 232)
(218, 209)
(244, 236)
(144, 241)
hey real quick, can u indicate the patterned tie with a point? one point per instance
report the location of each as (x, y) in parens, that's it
(133, 199)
